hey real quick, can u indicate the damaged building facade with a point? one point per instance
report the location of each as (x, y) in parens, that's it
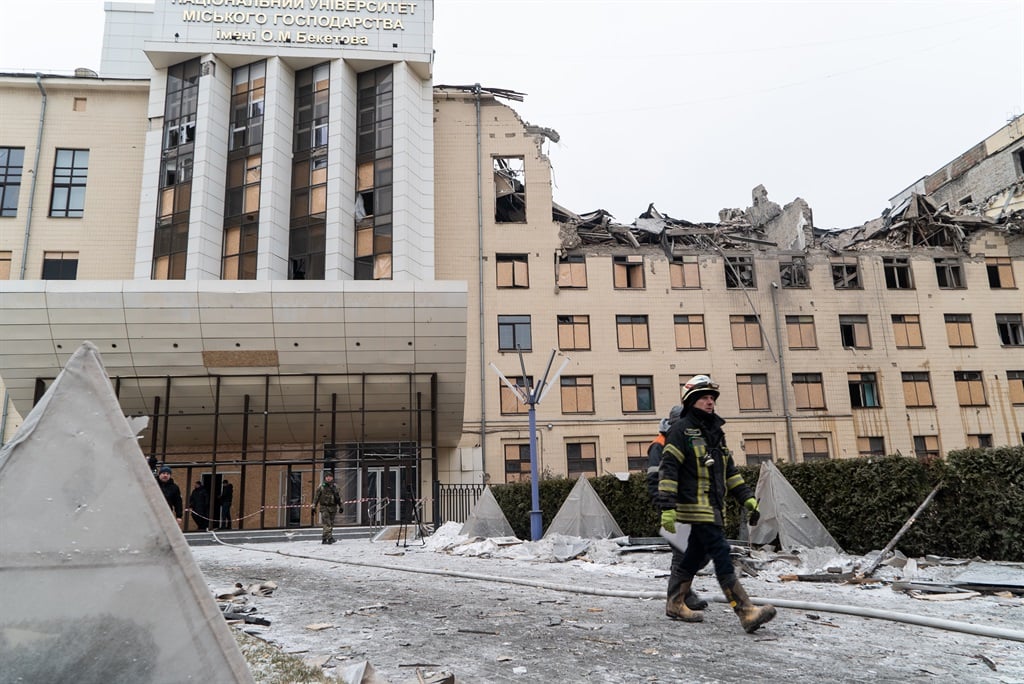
(904, 335)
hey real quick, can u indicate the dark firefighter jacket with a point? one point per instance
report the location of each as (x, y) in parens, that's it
(697, 469)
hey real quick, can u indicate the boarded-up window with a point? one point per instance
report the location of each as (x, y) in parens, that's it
(632, 333)
(917, 389)
(809, 390)
(814, 448)
(689, 330)
(1015, 382)
(637, 393)
(581, 459)
(577, 393)
(757, 449)
(636, 456)
(800, 330)
(517, 462)
(926, 446)
(853, 329)
(510, 403)
(907, 330)
(746, 333)
(959, 330)
(513, 270)
(970, 388)
(573, 332)
(684, 272)
(628, 272)
(572, 271)
(1000, 272)
(871, 446)
(5, 265)
(752, 392)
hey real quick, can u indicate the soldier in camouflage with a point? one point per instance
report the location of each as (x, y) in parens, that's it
(328, 498)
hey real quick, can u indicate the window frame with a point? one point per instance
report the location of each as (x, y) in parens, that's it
(573, 325)
(745, 325)
(686, 330)
(846, 273)
(519, 475)
(513, 268)
(970, 388)
(794, 273)
(926, 447)
(684, 272)
(12, 168)
(809, 388)
(864, 393)
(913, 382)
(587, 453)
(850, 329)
(569, 270)
(507, 398)
(871, 448)
(571, 387)
(59, 266)
(752, 392)
(800, 329)
(1015, 387)
(949, 273)
(67, 192)
(1000, 273)
(628, 272)
(753, 458)
(959, 330)
(898, 272)
(1010, 327)
(817, 443)
(907, 331)
(643, 394)
(638, 323)
(514, 324)
(740, 272)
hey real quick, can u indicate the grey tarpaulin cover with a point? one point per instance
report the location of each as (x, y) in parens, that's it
(784, 514)
(98, 583)
(487, 519)
(583, 514)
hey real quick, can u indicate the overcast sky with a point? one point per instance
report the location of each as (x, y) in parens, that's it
(690, 105)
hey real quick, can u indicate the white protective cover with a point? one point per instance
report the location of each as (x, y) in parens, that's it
(97, 580)
(785, 514)
(487, 519)
(583, 514)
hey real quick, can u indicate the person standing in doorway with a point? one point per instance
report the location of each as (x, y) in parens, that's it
(227, 497)
(172, 493)
(697, 471)
(199, 504)
(328, 498)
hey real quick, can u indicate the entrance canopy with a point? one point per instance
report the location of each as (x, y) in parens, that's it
(213, 357)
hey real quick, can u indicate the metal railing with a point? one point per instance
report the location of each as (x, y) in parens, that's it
(455, 502)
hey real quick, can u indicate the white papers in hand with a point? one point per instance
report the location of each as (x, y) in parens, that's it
(677, 539)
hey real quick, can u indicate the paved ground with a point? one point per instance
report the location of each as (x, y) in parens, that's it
(481, 630)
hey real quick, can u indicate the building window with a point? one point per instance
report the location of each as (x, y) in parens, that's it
(814, 448)
(574, 333)
(684, 272)
(60, 265)
(517, 463)
(70, 172)
(637, 393)
(793, 273)
(636, 456)
(170, 235)
(846, 273)
(509, 190)
(1015, 384)
(572, 271)
(577, 393)
(514, 333)
(907, 329)
(980, 441)
(752, 392)
(800, 330)
(898, 275)
(510, 403)
(631, 332)
(689, 330)
(739, 272)
(917, 389)
(628, 272)
(871, 446)
(758, 450)
(1000, 273)
(12, 162)
(949, 273)
(374, 175)
(1011, 330)
(863, 390)
(307, 239)
(5, 265)
(746, 332)
(513, 270)
(959, 330)
(853, 329)
(581, 459)
(248, 89)
(809, 390)
(970, 388)
(238, 261)
(241, 218)
(79, 104)
(926, 447)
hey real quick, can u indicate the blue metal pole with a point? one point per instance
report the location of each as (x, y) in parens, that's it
(535, 517)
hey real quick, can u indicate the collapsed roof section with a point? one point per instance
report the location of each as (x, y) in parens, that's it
(917, 222)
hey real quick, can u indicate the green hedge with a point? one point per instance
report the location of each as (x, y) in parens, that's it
(863, 502)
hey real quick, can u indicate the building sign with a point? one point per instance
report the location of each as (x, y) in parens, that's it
(367, 24)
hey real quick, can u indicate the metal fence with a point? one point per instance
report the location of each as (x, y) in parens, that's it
(455, 502)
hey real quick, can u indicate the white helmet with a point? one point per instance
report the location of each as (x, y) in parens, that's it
(698, 386)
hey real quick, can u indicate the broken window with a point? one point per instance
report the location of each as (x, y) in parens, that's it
(846, 273)
(572, 271)
(980, 441)
(970, 388)
(628, 272)
(907, 330)
(1000, 273)
(684, 272)
(800, 330)
(514, 333)
(637, 393)
(631, 332)
(1011, 330)
(949, 273)
(863, 390)
(577, 393)
(926, 446)
(1015, 385)
(513, 270)
(757, 449)
(573, 332)
(814, 448)
(509, 190)
(809, 390)
(581, 459)
(897, 273)
(794, 273)
(517, 462)
(636, 456)
(746, 332)
(510, 403)
(690, 331)
(739, 272)
(752, 392)
(959, 330)
(871, 446)
(853, 329)
(374, 191)
(917, 389)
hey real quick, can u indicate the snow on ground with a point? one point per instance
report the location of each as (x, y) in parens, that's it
(497, 610)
